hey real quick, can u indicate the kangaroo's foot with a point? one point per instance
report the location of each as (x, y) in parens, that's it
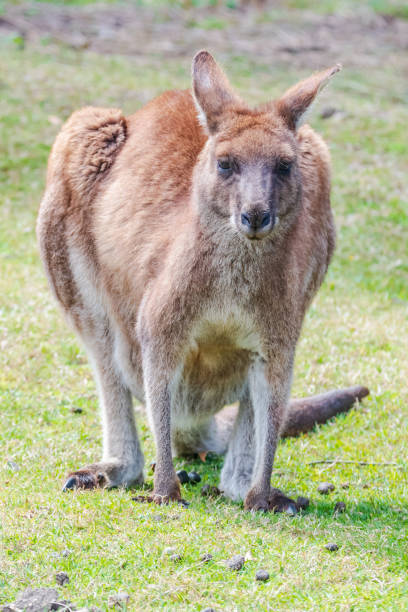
(166, 487)
(275, 501)
(172, 494)
(166, 490)
(107, 474)
(159, 500)
(278, 502)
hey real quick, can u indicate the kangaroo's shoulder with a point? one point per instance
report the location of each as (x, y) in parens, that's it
(315, 166)
(314, 152)
(170, 122)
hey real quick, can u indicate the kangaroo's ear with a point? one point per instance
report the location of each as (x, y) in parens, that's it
(212, 92)
(296, 101)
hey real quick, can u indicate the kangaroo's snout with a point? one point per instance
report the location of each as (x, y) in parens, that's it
(257, 224)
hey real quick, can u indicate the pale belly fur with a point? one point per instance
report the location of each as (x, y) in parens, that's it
(215, 367)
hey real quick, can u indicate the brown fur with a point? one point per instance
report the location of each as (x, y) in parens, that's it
(180, 298)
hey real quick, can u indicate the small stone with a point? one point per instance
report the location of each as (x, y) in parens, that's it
(66, 552)
(262, 575)
(325, 487)
(331, 547)
(209, 610)
(36, 600)
(13, 466)
(340, 507)
(175, 558)
(119, 600)
(236, 563)
(206, 557)
(55, 555)
(183, 477)
(158, 518)
(61, 578)
(76, 410)
(210, 491)
(302, 503)
(169, 550)
(194, 477)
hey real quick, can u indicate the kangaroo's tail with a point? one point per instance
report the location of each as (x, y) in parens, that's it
(305, 413)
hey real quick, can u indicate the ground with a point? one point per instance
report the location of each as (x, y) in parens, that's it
(56, 58)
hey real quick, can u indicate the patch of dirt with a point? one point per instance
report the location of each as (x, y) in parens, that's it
(301, 38)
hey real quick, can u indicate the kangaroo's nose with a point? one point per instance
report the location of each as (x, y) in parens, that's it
(255, 221)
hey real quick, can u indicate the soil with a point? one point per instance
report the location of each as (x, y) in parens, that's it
(300, 38)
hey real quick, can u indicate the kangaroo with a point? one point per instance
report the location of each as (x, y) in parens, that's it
(185, 244)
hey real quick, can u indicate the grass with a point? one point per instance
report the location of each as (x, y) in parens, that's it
(355, 332)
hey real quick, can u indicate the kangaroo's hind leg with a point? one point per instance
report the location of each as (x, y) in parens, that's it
(81, 159)
(122, 460)
(236, 473)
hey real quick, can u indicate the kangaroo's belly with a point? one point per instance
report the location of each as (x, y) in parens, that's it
(215, 366)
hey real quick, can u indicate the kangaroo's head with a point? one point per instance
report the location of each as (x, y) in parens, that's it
(248, 173)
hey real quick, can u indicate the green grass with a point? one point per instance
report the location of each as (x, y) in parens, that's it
(355, 332)
(395, 8)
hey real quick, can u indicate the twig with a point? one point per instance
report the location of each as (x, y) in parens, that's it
(334, 461)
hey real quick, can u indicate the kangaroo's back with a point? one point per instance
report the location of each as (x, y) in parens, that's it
(78, 167)
(107, 174)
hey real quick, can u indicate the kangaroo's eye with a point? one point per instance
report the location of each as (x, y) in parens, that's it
(224, 166)
(283, 167)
